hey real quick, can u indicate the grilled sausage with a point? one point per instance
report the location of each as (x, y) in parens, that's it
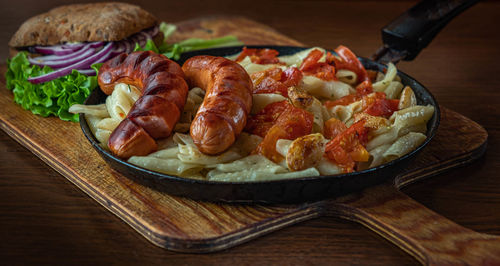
(155, 113)
(227, 102)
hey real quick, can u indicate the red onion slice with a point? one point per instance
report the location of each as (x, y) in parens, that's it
(146, 35)
(66, 57)
(75, 57)
(41, 59)
(103, 53)
(55, 50)
(119, 47)
(128, 47)
(154, 31)
(72, 45)
(96, 44)
(104, 58)
(88, 72)
(64, 49)
(69, 61)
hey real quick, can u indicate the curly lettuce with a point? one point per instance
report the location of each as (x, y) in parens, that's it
(48, 98)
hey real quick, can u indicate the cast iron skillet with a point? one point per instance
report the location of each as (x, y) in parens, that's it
(399, 44)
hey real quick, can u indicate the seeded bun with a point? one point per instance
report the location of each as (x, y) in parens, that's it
(83, 23)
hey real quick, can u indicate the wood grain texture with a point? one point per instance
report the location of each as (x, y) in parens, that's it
(184, 225)
(424, 234)
(47, 220)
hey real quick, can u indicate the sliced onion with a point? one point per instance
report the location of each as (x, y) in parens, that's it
(55, 50)
(154, 31)
(146, 35)
(88, 72)
(128, 47)
(83, 64)
(119, 47)
(96, 44)
(41, 59)
(64, 49)
(66, 61)
(66, 57)
(72, 45)
(70, 61)
(104, 58)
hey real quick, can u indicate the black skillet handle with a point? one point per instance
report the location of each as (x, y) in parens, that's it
(408, 34)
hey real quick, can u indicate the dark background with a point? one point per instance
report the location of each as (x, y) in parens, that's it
(45, 219)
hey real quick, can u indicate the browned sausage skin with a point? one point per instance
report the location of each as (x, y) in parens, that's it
(227, 103)
(155, 113)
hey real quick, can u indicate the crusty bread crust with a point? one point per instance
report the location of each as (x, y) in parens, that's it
(82, 23)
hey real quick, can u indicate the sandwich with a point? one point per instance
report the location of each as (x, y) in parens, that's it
(53, 53)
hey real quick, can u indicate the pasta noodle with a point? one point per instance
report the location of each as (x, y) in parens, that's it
(347, 76)
(98, 110)
(404, 121)
(330, 90)
(345, 113)
(255, 168)
(262, 100)
(252, 68)
(407, 98)
(404, 145)
(121, 100)
(297, 58)
(381, 85)
(393, 90)
(166, 166)
(320, 113)
(388, 137)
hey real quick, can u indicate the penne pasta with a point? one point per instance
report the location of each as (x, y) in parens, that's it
(385, 134)
(393, 91)
(166, 166)
(347, 76)
(252, 68)
(255, 168)
(92, 110)
(407, 98)
(389, 76)
(121, 100)
(329, 90)
(404, 121)
(404, 145)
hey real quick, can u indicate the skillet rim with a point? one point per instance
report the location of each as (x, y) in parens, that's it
(433, 125)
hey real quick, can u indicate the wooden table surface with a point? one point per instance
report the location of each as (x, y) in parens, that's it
(44, 219)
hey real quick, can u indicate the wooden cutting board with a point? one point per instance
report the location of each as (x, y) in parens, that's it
(185, 225)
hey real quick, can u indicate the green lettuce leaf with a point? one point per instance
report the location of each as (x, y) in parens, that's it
(174, 50)
(149, 46)
(49, 98)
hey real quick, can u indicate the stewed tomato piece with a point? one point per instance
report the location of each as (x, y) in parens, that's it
(259, 56)
(292, 123)
(322, 70)
(275, 80)
(348, 60)
(260, 123)
(347, 147)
